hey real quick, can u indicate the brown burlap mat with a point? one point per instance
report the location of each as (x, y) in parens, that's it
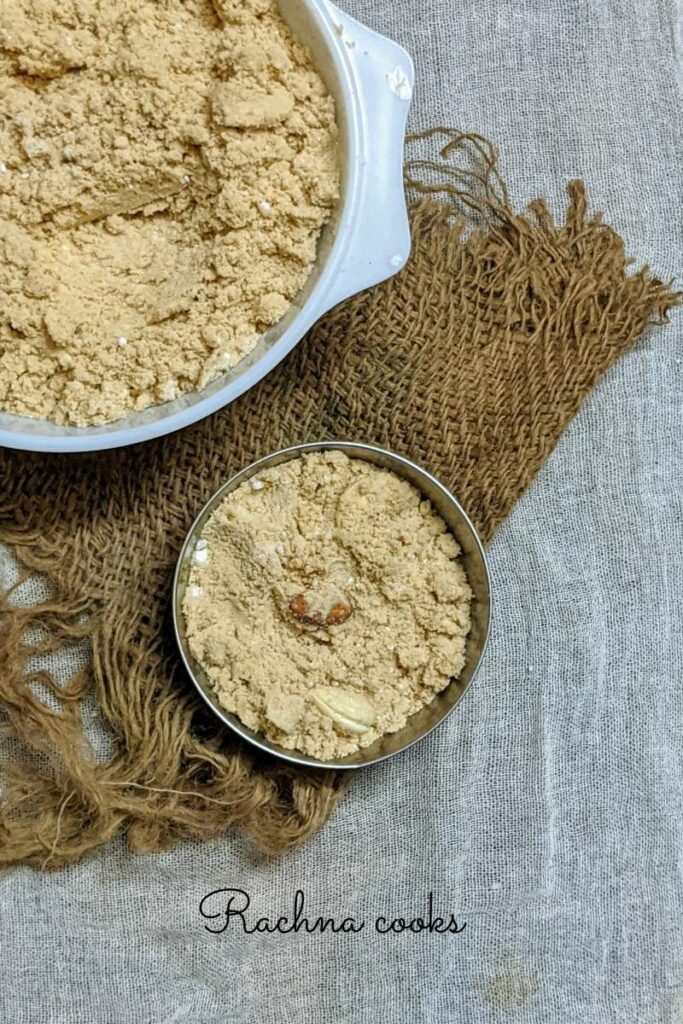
(472, 361)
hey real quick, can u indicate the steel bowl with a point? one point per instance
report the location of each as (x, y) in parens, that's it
(473, 561)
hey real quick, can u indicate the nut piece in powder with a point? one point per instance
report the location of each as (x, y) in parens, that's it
(328, 607)
(168, 168)
(350, 711)
(333, 606)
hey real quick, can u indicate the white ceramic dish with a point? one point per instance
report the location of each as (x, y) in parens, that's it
(368, 240)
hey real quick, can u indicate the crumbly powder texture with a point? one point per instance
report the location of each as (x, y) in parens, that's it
(166, 167)
(327, 603)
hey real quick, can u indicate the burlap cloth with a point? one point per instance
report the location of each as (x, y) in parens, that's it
(471, 361)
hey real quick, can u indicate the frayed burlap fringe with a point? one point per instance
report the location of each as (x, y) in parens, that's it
(472, 361)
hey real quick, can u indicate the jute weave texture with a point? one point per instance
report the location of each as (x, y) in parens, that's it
(471, 361)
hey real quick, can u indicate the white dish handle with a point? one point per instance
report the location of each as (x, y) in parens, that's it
(380, 241)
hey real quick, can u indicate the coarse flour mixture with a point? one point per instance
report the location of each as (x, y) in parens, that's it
(166, 167)
(326, 603)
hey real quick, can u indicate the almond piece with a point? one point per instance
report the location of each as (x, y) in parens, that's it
(321, 609)
(300, 607)
(338, 613)
(350, 711)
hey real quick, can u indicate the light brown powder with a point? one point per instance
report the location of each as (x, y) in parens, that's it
(166, 167)
(327, 603)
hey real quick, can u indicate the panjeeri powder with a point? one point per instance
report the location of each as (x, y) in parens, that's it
(166, 167)
(326, 603)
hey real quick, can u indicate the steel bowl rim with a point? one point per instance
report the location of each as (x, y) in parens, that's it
(285, 455)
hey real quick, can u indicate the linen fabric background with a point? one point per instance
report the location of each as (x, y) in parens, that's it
(547, 814)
